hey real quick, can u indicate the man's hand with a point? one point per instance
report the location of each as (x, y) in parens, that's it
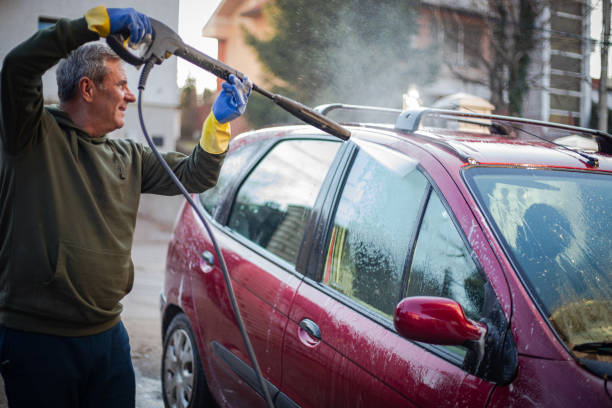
(230, 104)
(119, 20)
(232, 100)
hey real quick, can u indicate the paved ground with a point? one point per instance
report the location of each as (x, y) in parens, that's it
(141, 306)
(141, 309)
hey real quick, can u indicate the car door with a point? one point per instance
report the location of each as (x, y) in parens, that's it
(390, 234)
(259, 228)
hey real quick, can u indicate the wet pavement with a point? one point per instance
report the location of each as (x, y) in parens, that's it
(141, 307)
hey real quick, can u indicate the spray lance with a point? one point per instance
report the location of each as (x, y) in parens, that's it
(165, 43)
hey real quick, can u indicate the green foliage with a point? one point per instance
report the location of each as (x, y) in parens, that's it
(188, 93)
(208, 96)
(350, 51)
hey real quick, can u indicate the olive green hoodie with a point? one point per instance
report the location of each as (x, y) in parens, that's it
(68, 202)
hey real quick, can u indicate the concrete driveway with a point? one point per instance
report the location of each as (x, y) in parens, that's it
(141, 306)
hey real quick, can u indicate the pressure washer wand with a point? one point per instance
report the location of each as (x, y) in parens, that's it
(166, 43)
(298, 110)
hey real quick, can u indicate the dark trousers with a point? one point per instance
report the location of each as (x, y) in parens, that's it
(69, 372)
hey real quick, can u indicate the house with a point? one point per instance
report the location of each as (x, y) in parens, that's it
(21, 19)
(559, 71)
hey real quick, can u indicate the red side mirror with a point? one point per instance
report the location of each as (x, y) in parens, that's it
(435, 320)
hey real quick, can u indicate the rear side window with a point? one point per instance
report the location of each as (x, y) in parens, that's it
(232, 165)
(372, 230)
(274, 203)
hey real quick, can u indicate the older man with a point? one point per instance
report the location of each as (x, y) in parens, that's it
(68, 201)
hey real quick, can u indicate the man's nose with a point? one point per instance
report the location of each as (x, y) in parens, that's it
(129, 96)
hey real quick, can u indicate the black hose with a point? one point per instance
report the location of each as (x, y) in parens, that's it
(228, 284)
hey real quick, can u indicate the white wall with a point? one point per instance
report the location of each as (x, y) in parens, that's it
(19, 20)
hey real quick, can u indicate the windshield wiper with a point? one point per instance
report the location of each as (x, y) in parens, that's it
(595, 347)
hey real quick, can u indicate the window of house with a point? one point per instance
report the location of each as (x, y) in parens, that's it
(461, 41)
(372, 231)
(274, 203)
(46, 22)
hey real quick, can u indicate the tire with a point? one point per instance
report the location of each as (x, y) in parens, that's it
(182, 376)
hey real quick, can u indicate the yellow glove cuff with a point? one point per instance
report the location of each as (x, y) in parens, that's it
(215, 136)
(98, 21)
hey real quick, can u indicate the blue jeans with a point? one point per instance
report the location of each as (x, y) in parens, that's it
(53, 371)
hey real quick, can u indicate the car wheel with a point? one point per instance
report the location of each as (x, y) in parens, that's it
(183, 381)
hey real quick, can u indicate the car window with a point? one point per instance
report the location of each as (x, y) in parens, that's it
(274, 203)
(372, 230)
(233, 163)
(555, 225)
(442, 264)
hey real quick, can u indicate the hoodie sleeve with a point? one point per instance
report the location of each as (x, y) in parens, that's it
(21, 123)
(198, 172)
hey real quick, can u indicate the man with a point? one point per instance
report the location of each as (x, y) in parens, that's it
(68, 202)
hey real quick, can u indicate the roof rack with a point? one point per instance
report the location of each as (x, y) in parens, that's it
(410, 120)
(325, 109)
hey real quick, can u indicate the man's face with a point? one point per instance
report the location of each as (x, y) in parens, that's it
(112, 98)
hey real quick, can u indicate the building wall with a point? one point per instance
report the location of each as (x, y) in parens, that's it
(568, 75)
(227, 24)
(20, 19)
(430, 19)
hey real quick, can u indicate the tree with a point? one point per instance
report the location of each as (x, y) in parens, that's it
(602, 111)
(349, 51)
(188, 104)
(194, 109)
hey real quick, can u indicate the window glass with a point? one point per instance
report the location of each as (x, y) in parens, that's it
(232, 165)
(556, 226)
(274, 203)
(372, 229)
(442, 265)
(46, 22)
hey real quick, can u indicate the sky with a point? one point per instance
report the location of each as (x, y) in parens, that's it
(193, 15)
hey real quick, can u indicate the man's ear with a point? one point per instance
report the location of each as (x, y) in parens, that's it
(86, 89)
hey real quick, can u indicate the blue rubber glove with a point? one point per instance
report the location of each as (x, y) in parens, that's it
(232, 100)
(128, 19)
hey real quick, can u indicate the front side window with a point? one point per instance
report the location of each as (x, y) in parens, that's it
(273, 204)
(442, 265)
(372, 229)
(557, 227)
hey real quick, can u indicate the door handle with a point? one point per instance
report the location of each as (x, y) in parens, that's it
(311, 328)
(208, 257)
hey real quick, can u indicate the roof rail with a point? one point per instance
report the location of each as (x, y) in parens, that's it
(410, 120)
(325, 109)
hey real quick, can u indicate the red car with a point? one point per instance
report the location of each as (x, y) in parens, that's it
(449, 260)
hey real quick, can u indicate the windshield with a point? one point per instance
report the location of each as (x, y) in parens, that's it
(557, 228)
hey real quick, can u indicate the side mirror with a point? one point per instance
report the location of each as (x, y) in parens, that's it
(436, 320)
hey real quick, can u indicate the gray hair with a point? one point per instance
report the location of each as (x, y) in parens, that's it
(88, 60)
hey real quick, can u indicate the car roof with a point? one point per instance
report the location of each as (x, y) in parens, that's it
(455, 148)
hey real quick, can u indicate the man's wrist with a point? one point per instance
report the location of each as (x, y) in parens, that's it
(98, 21)
(215, 136)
